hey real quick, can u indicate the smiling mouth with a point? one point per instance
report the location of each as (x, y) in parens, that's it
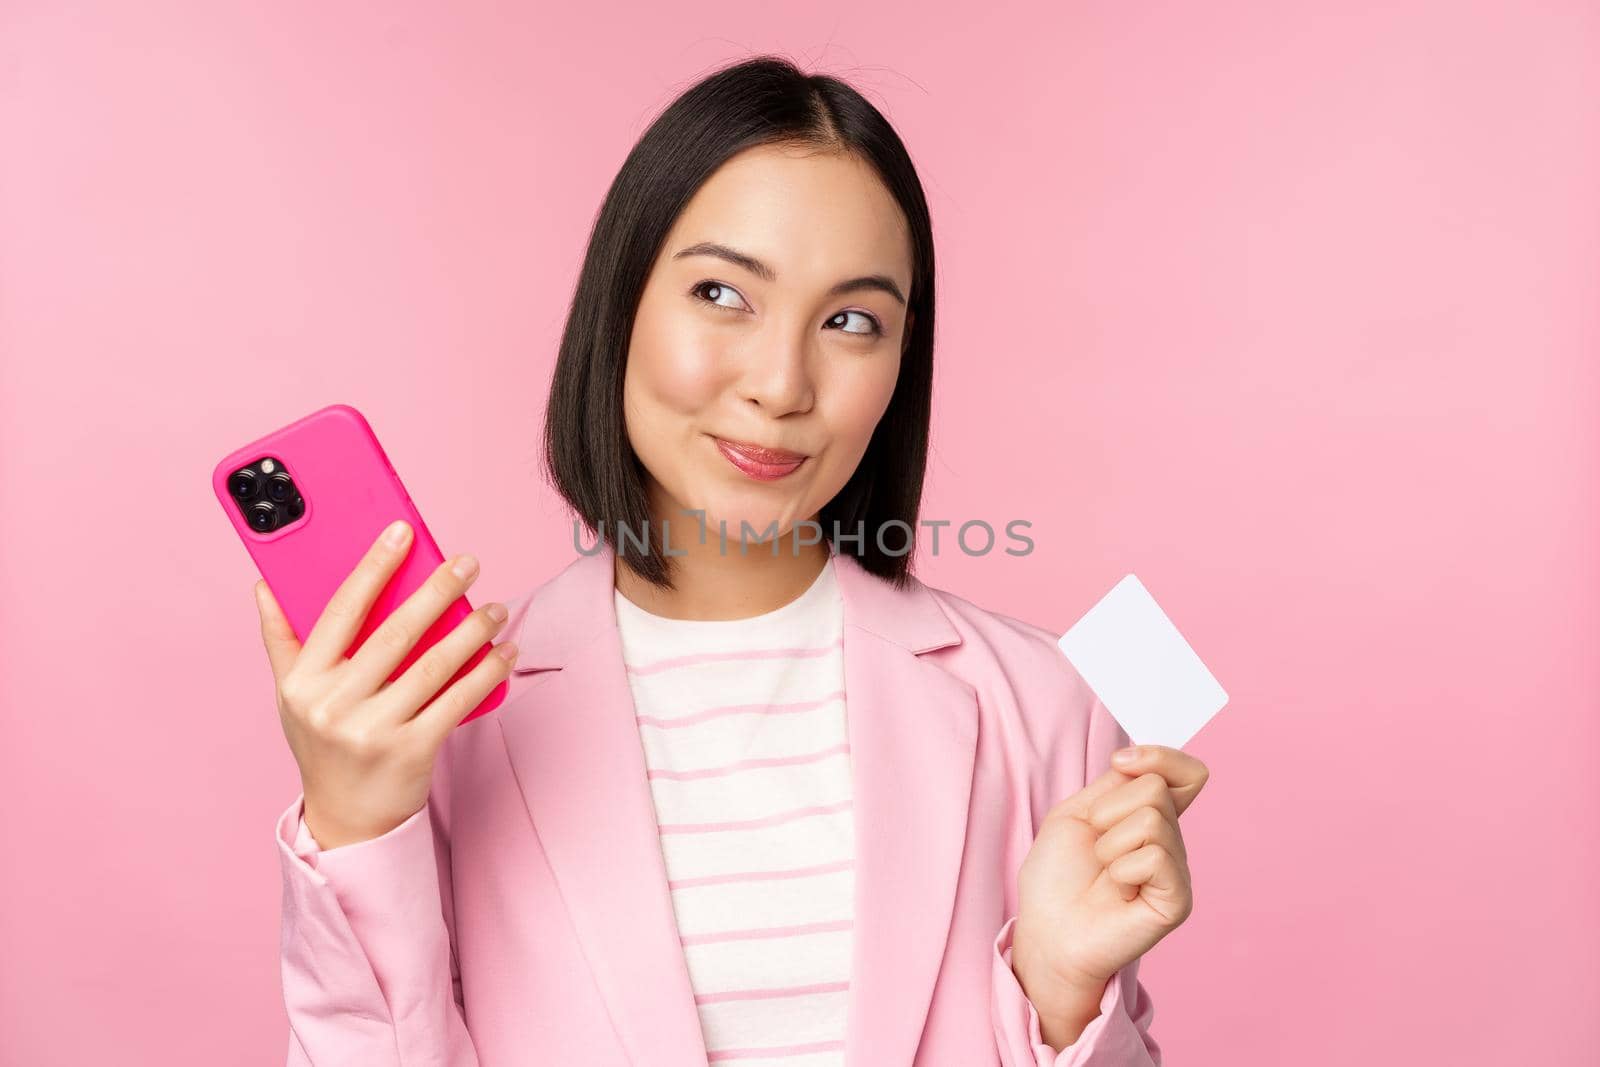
(763, 464)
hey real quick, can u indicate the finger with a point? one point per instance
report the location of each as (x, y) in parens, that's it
(1184, 774)
(1154, 874)
(1078, 804)
(442, 663)
(392, 640)
(336, 628)
(276, 633)
(1147, 790)
(465, 694)
(1143, 826)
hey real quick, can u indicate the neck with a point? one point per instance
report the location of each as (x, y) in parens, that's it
(716, 582)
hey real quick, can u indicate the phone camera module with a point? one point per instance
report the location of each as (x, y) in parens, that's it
(263, 516)
(266, 495)
(280, 487)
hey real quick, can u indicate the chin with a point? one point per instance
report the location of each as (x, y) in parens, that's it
(728, 510)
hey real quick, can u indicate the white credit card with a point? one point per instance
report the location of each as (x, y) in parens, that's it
(1141, 668)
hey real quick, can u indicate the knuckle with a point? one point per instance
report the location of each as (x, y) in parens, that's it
(488, 671)
(432, 668)
(1151, 822)
(484, 670)
(319, 719)
(1053, 818)
(451, 702)
(1102, 851)
(395, 635)
(362, 742)
(341, 606)
(292, 691)
(381, 553)
(444, 582)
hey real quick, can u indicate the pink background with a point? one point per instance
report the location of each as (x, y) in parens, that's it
(1292, 313)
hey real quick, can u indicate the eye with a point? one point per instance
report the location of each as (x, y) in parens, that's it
(712, 292)
(874, 327)
(719, 289)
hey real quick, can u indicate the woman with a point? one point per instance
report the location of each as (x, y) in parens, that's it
(755, 795)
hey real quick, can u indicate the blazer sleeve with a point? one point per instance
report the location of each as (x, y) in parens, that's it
(367, 946)
(1120, 1035)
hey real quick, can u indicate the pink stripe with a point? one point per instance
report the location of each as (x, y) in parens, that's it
(651, 667)
(767, 931)
(737, 709)
(762, 876)
(752, 824)
(773, 1052)
(772, 994)
(748, 764)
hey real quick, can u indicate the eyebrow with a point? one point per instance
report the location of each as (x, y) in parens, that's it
(880, 282)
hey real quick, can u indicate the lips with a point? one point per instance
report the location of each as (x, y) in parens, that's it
(776, 456)
(760, 462)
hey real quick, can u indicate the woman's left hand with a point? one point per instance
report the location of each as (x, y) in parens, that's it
(1107, 877)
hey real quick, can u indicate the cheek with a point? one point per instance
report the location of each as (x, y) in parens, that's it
(861, 397)
(672, 370)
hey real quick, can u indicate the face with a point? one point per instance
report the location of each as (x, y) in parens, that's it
(774, 317)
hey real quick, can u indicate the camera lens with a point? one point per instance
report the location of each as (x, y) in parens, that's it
(242, 483)
(263, 517)
(280, 487)
(296, 507)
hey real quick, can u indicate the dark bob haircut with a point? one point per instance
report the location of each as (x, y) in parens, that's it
(766, 100)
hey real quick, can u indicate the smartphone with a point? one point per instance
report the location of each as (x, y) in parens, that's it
(308, 501)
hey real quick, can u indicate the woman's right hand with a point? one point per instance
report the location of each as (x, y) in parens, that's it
(365, 754)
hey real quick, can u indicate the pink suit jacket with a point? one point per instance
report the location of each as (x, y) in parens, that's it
(522, 917)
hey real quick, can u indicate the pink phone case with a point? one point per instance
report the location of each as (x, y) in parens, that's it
(351, 492)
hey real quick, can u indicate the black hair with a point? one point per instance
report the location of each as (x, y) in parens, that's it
(765, 100)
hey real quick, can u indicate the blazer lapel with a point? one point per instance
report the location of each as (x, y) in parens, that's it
(913, 733)
(575, 750)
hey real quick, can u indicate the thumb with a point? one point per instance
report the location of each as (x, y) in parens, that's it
(276, 633)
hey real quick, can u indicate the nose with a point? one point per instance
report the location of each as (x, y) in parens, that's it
(776, 373)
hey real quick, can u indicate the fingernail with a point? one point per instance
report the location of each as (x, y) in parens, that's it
(395, 535)
(497, 612)
(1125, 755)
(464, 566)
(507, 652)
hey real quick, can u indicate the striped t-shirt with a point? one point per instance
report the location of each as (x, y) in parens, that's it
(743, 727)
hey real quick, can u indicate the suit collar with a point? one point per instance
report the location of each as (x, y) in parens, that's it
(573, 744)
(564, 613)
